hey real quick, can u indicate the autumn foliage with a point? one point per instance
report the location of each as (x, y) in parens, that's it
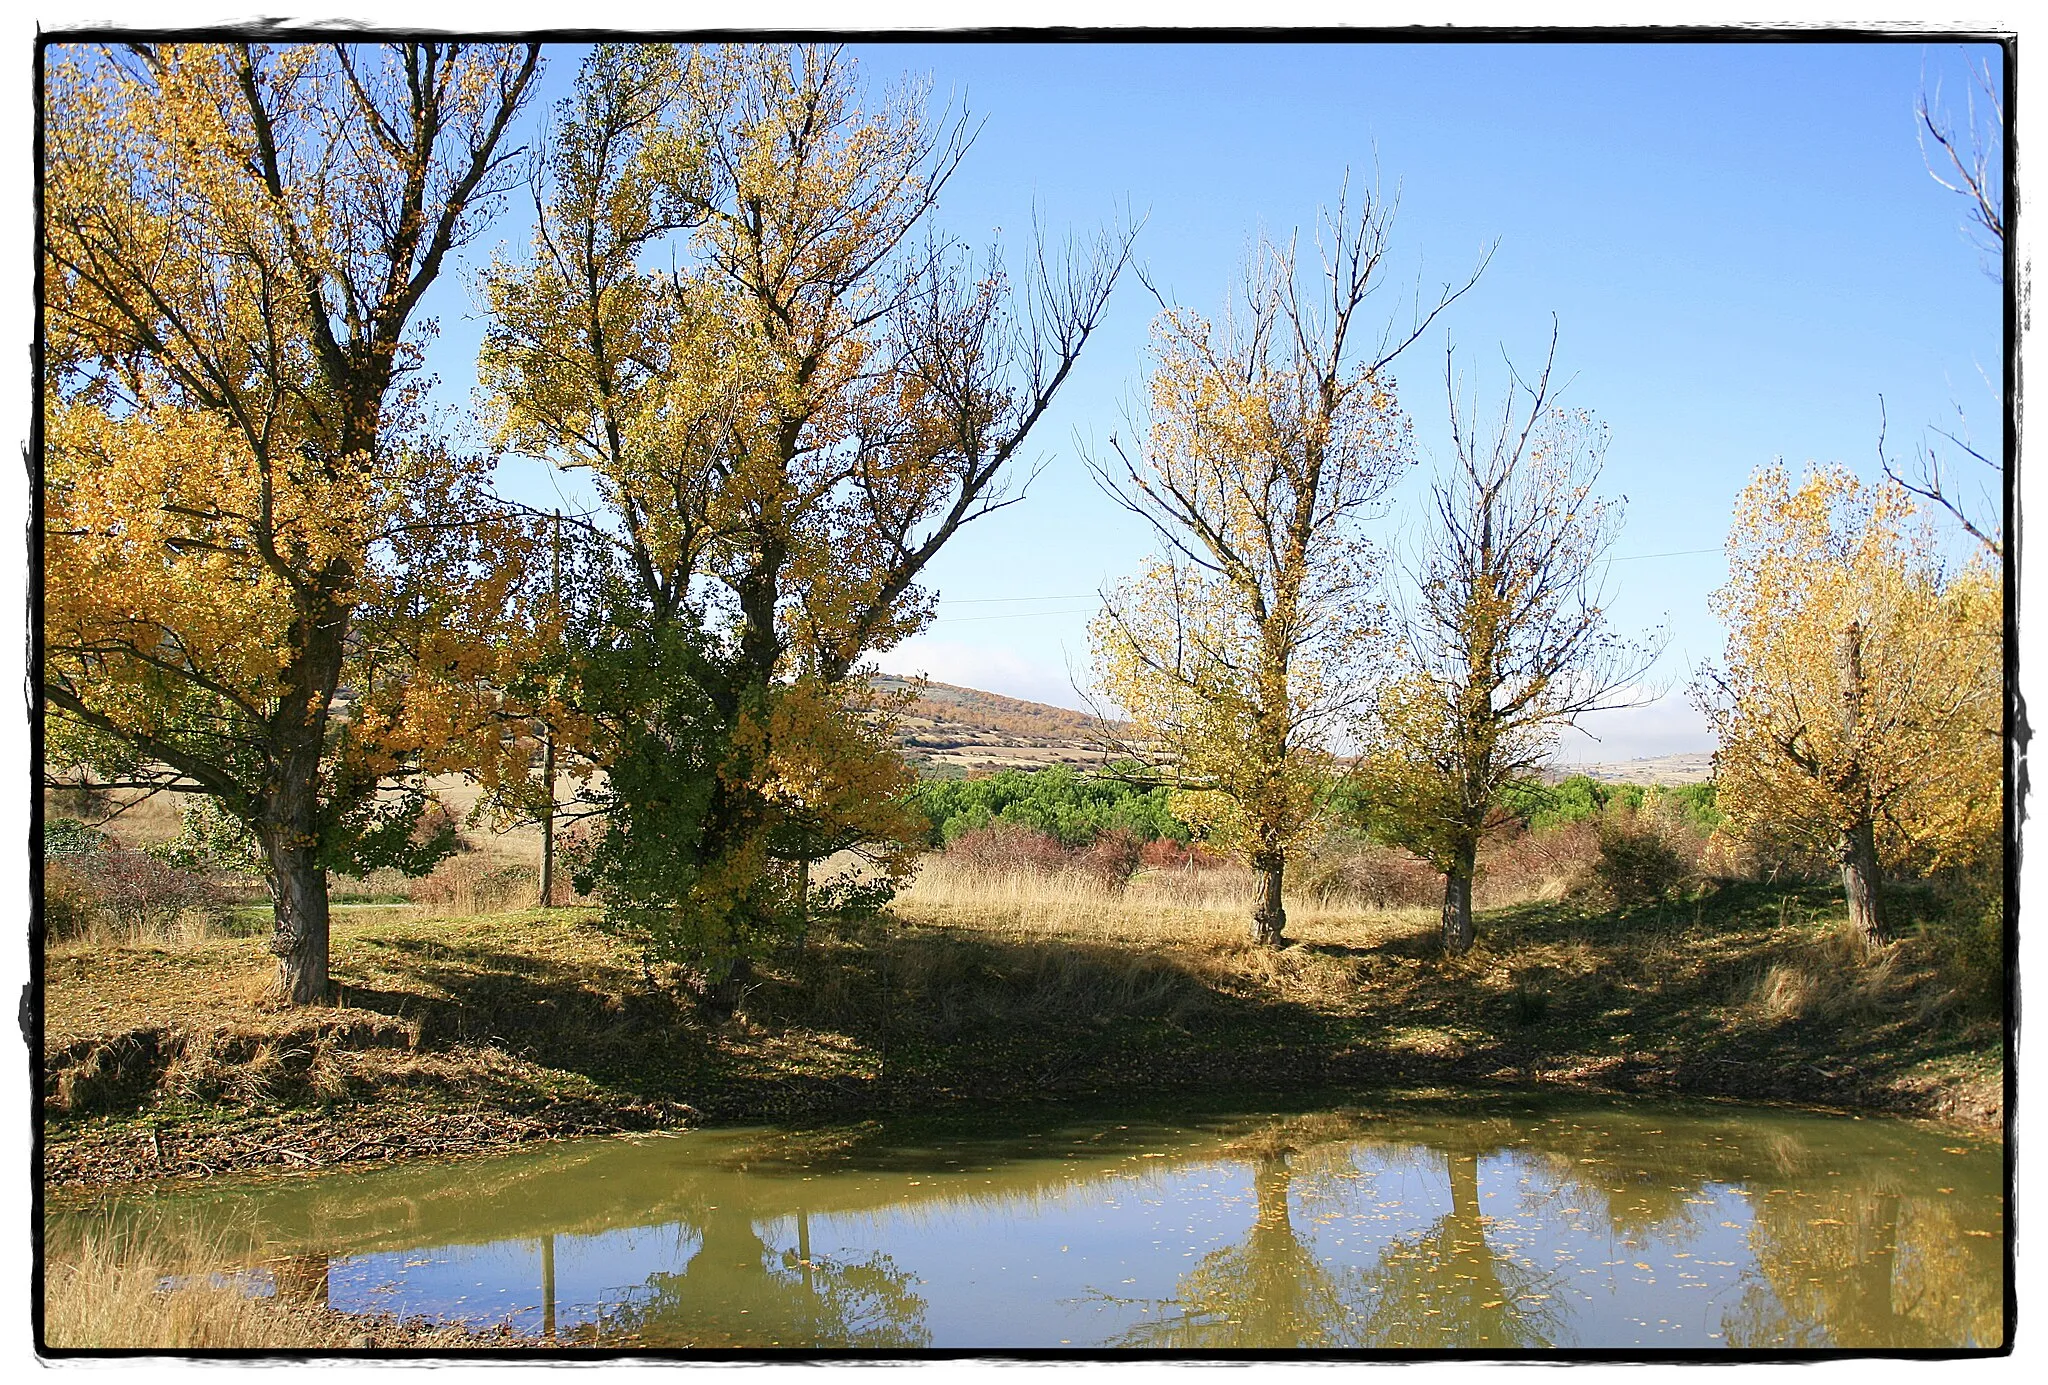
(1858, 703)
(1246, 644)
(243, 513)
(786, 421)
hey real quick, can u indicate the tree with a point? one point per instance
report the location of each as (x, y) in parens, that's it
(1858, 684)
(1977, 174)
(1507, 642)
(237, 493)
(1239, 653)
(786, 426)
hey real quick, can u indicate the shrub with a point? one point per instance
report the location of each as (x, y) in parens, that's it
(1638, 864)
(210, 839)
(131, 893)
(1582, 798)
(1075, 808)
(1111, 859)
(1368, 874)
(467, 885)
(67, 899)
(69, 839)
(1166, 854)
(1516, 867)
(1967, 928)
(1008, 848)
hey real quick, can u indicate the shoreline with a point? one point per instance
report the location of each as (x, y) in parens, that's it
(120, 1156)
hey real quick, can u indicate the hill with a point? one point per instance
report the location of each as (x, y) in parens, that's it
(948, 731)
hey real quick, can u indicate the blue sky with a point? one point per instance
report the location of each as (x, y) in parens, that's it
(1740, 242)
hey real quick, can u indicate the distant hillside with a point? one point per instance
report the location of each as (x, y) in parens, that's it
(1695, 767)
(949, 730)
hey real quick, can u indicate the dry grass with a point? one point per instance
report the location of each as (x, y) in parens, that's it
(157, 1285)
(1838, 976)
(152, 1281)
(1209, 908)
(478, 882)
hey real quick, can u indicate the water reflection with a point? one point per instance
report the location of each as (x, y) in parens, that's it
(1512, 1229)
(737, 1291)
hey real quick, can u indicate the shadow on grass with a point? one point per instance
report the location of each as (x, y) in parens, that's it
(899, 1016)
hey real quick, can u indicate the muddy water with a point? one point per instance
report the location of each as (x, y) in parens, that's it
(1506, 1227)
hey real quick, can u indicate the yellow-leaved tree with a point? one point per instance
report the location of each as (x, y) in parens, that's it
(1857, 705)
(790, 394)
(1507, 642)
(243, 514)
(1241, 652)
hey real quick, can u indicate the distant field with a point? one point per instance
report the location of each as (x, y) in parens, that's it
(1695, 768)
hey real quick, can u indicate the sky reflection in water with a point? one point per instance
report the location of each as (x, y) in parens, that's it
(1622, 1226)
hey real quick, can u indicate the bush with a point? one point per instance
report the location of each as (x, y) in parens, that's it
(67, 900)
(1516, 867)
(1967, 928)
(1166, 854)
(1582, 798)
(210, 839)
(68, 839)
(1638, 864)
(1008, 848)
(1111, 859)
(130, 893)
(468, 885)
(1074, 808)
(1368, 875)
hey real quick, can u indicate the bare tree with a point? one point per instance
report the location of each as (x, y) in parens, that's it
(1238, 653)
(1975, 173)
(1969, 161)
(1507, 641)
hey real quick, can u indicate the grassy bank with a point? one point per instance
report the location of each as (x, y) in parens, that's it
(462, 1035)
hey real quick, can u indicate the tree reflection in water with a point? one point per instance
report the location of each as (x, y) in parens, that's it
(1449, 1287)
(1444, 1288)
(1630, 1225)
(736, 1291)
(1864, 1267)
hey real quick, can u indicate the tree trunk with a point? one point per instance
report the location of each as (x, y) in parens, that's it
(803, 902)
(298, 901)
(1860, 881)
(1457, 912)
(1859, 843)
(1269, 919)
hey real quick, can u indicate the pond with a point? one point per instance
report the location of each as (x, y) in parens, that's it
(1498, 1227)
